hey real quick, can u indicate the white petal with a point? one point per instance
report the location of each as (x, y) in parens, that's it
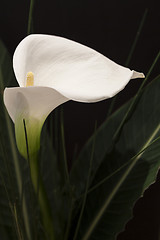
(31, 102)
(137, 75)
(76, 71)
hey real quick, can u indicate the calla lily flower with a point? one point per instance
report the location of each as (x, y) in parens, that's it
(51, 70)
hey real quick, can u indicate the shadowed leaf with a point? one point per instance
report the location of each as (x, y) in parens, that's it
(126, 175)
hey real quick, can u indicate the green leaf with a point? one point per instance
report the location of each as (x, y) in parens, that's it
(6, 172)
(10, 171)
(122, 171)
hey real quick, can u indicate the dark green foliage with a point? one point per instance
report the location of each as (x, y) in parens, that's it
(126, 174)
(120, 171)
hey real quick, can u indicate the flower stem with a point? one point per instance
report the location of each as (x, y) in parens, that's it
(40, 191)
(42, 198)
(30, 17)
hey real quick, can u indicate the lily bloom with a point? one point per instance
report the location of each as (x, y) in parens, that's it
(51, 70)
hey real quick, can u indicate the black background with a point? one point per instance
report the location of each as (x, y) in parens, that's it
(110, 28)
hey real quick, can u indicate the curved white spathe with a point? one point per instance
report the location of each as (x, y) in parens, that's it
(32, 102)
(75, 71)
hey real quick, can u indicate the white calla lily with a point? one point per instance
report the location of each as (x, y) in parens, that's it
(32, 104)
(58, 70)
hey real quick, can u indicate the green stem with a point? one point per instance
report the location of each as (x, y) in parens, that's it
(136, 38)
(129, 57)
(63, 147)
(42, 197)
(30, 18)
(39, 188)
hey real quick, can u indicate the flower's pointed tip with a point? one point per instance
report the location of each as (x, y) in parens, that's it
(137, 75)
